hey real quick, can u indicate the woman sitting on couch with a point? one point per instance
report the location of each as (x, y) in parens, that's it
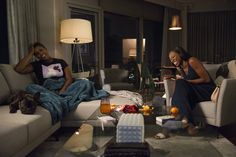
(193, 85)
(59, 93)
(45, 67)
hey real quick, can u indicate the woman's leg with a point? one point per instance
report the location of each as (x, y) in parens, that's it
(181, 98)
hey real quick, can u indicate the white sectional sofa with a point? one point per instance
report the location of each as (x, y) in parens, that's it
(19, 133)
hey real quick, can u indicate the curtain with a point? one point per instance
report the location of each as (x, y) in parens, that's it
(212, 36)
(171, 39)
(22, 27)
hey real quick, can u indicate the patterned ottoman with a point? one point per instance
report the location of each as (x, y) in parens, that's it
(130, 128)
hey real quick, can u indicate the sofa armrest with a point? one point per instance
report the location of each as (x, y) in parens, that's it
(102, 77)
(106, 87)
(169, 85)
(226, 104)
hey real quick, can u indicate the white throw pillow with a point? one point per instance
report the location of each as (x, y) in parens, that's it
(232, 69)
(219, 80)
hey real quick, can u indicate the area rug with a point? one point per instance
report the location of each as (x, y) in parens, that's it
(182, 146)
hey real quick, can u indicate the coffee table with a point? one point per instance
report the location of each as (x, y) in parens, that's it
(101, 139)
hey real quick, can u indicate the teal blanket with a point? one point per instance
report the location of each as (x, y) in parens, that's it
(60, 105)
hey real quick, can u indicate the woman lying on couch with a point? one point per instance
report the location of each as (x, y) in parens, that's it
(59, 93)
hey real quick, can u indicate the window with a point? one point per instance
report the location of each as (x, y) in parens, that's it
(120, 34)
(152, 32)
(4, 56)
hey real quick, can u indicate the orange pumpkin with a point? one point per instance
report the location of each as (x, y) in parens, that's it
(174, 111)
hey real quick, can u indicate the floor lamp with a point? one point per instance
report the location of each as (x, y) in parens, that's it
(76, 31)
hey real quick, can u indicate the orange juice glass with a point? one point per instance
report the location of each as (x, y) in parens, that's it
(105, 106)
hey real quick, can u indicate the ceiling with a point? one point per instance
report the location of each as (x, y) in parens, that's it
(198, 5)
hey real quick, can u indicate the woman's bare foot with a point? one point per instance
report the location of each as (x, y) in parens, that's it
(185, 122)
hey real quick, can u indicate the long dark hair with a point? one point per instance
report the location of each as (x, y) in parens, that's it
(184, 55)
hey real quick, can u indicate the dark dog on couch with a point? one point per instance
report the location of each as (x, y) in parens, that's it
(24, 101)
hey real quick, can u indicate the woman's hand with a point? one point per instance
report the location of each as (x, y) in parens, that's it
(24, 65)
(62, 91)
(178, 68)
(31, 50)
(178, 77)
(68, 80)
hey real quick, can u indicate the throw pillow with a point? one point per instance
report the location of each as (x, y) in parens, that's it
(219, 80)
(223, 70)
(232, 69)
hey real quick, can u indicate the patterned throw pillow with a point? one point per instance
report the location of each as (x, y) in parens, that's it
(223, 70)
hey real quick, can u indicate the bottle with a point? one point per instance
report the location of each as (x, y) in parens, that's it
(105, 106)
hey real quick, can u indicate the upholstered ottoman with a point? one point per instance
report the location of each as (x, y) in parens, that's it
(130, 128)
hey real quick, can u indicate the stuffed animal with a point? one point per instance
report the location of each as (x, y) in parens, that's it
(26, 102)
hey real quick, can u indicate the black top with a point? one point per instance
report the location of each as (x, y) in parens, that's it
(44, 69)
(191, 75)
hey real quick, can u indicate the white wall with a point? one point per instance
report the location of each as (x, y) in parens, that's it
(50, 13)
(46, 24)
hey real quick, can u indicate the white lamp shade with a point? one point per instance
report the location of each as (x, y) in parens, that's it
(76, 31)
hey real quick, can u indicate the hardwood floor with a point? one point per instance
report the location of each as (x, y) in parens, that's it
(229, 132)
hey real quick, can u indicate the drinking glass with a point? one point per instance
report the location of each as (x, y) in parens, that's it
(105, 106)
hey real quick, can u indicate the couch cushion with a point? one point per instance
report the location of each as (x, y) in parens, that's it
(91, 109)
(36, 124)
(122, 86)
(10, 132)
(115, 75)
(205, 109)
(212, 69)
(15, 80)
(5, 91)
(232, 69)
